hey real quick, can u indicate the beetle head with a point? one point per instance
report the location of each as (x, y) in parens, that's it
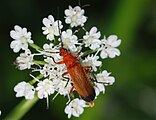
(63, 52)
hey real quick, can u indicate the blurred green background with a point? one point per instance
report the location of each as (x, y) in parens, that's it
(132, 97)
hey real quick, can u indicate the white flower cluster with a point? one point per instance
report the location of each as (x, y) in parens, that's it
(53, 79)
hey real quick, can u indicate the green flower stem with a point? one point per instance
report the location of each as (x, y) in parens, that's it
(56, 42)
(21, 109)
(36, 47)
(34, 80)
(89, 52)
(24, 106)
(38, 62)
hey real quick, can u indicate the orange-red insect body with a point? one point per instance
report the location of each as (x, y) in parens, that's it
(79, 76)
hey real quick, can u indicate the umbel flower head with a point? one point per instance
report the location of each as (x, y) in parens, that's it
(59, 74)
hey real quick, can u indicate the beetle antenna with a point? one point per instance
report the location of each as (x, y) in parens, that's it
(79, 2)
(59, 25)
(83, 6)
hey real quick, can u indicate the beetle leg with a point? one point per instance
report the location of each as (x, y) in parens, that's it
(61, 62)
(63, 75)
(71, 90)
(94, 77)
(87, 70)
(87, 67)
(95, 80)
(78, 54)
(91, 103)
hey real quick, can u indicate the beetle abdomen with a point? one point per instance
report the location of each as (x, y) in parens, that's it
(81, 82)
(90, 97)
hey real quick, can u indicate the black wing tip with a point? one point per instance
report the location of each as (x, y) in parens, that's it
(89, 98)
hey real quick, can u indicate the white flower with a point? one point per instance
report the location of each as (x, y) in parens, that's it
(92, 61)
(105, 78)
(75, 16)
(45, 88)
(52, 27)
(21, 38)
(99, 87)
(51, 50)
(91, 39)
(24, 89)
(75, 108)
(58, 70)
(69, 40)
(25, 60)
(108, 48)
(63, 87)
(47, 70)
(0, 112)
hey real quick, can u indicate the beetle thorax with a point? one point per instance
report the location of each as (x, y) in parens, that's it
(69, 60)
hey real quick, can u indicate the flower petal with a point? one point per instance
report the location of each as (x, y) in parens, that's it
(46, 22)
(112, 52)
(14, 34)
(103, 54)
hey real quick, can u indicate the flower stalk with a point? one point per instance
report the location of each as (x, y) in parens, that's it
(87, 52)
(36, 47)
(39, 62)
(21, 109)
(35, 79)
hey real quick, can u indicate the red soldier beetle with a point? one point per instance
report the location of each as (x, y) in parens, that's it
(79, 76)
